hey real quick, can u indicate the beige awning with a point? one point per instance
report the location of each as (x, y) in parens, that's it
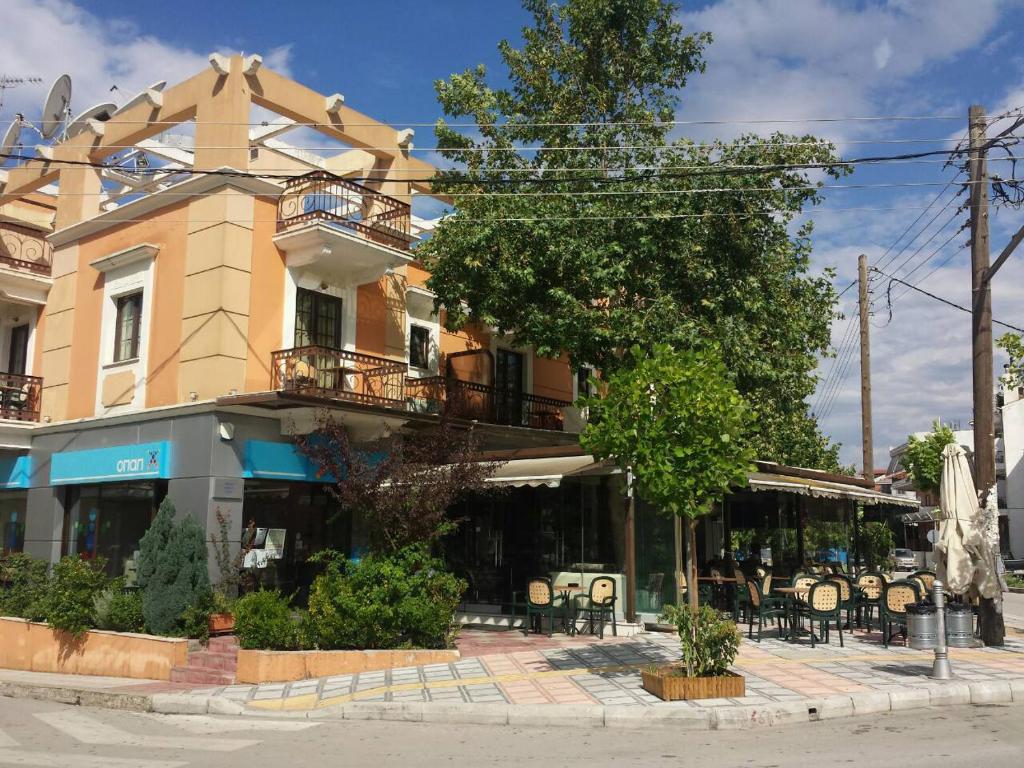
(764, 481)
(547, 472)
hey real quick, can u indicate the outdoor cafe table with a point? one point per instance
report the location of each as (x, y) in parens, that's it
(568, 616)
(721, 581)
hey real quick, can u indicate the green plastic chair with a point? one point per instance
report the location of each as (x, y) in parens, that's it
(740, 595)
(824, 606)
(599, 604)
(896, 596)
(761, 607)
(847, 596)
(540, 602)
(870, 586)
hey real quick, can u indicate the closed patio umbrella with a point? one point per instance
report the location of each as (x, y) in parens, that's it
(965, 558)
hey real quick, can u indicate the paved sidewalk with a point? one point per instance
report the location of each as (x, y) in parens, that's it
(504, 677)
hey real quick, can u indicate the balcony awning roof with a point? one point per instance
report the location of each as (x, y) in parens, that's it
(548, 472)
(765, 481)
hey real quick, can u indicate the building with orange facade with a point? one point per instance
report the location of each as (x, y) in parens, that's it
(182, 290)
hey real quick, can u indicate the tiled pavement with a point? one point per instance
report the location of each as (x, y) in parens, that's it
(530, 671)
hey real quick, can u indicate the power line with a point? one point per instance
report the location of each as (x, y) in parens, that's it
(842, 349)
(947, 302)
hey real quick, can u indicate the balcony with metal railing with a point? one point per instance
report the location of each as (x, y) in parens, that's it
(323, 197)
(25, 248)
(370, 380)
(20, 397)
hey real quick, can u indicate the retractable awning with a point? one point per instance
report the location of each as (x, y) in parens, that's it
(548, 472)
(764, 481)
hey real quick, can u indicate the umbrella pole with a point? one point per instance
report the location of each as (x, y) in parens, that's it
(941, 670)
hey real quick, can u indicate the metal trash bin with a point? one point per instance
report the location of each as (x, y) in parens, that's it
(959, 626)
(922, 626)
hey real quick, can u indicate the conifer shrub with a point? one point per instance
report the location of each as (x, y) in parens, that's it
(172, 570)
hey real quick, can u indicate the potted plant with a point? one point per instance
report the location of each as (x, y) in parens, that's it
(710, 644)
(222, 617)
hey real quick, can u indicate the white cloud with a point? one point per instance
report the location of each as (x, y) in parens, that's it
(45, 38)
(883, 52)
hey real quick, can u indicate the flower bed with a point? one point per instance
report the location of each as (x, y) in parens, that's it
(285, 666)
(33, 647)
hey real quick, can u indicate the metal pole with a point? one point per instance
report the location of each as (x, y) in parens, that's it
(630, 547)
(940, 667)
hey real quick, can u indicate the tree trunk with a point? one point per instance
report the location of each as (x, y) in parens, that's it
(993, 629)
(691, 560)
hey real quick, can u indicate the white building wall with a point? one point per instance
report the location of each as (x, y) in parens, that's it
(1013, 448)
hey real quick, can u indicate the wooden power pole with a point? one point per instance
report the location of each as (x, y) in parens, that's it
(865, 373)
(991, 621)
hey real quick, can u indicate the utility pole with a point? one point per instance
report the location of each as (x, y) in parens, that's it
(991, 621)
(865, 373)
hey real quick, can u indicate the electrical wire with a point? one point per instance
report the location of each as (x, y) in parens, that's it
(827, 382)
(947, 302)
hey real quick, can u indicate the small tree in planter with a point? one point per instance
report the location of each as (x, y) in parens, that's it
(675, 419)
(710, 645)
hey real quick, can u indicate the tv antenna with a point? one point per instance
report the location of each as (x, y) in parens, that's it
(11, 81)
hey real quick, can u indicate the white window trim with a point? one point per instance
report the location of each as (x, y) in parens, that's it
(124, 273)
(293, 280)
(415, 315)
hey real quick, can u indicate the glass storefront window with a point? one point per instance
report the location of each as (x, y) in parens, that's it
(108, 521)
(12, 520)
(313, 521)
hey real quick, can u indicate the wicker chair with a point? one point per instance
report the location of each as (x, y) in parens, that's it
(741, 596)
(927, 578)
(540, 602)
(599, 604)
(847, 598)
(763, 608)
(824, 606)
(870, 585)
(896, 596)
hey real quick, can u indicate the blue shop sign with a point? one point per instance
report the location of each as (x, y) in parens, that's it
(139, 461)
(279, 461)
(15, 471)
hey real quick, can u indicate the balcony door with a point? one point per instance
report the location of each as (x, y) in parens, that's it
(318, 325)
(509, 371)
(17, 360)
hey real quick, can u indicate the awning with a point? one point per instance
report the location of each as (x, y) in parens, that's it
(547, 472)
(763, 481)
(923, 515)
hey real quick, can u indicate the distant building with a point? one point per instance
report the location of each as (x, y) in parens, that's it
(1010, 459)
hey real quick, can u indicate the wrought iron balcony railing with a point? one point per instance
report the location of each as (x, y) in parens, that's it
(20, 396)
(469, 400)
(322, 196)
(25, 248)
(339, 374)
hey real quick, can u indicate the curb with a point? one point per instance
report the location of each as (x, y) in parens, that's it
(685, 717)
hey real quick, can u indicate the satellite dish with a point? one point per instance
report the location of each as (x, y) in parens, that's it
(101, 112)
(11, 137)
(55, 108)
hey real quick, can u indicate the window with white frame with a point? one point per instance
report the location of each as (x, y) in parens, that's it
(419, 346)
(127, 326)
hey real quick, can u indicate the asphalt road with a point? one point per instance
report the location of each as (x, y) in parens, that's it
(60, 736)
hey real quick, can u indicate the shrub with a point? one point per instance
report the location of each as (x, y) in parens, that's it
(24, 581)
(71, 592)
(126, 612)
(404, 600)
(263, 621)
(710, 643)
(172, 570)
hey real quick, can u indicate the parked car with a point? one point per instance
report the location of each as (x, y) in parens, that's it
(904, 559)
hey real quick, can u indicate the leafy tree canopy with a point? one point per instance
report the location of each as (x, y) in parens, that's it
(923, 459)
(1013, 345)
(586, 224)
(676, 419)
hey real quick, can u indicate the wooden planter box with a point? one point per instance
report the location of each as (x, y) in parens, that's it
(220, 623)
(669, 685)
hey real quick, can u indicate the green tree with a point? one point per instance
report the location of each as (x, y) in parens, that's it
(614, 233)
(675, 419)
(172, 570)
(923, 458)
(1013, 345)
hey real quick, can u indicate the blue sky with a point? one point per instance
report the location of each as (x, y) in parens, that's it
(772, 59)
